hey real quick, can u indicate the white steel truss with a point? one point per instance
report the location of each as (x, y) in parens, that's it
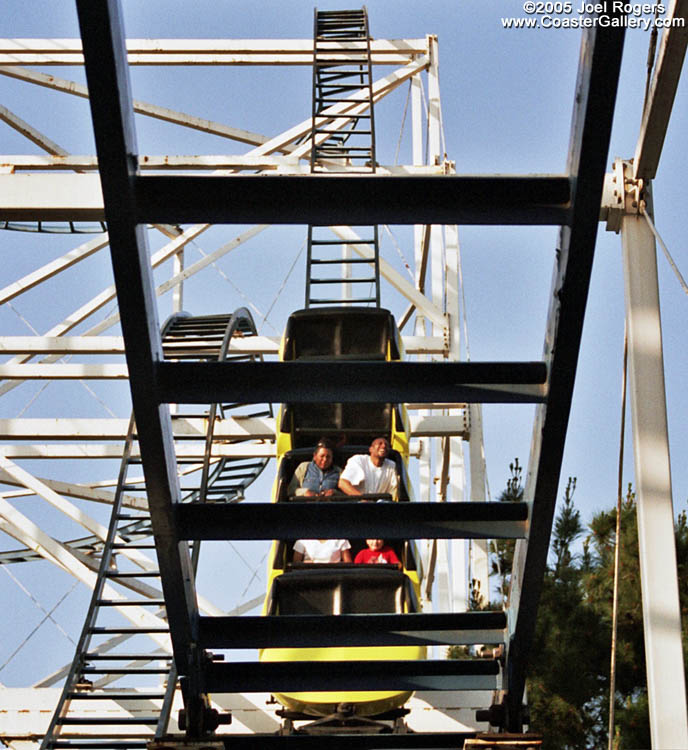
(31, 189)
(66, 186)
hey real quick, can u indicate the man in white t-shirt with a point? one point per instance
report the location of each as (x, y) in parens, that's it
(370, 474)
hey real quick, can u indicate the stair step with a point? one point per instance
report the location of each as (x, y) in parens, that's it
(105, 744)
(124, 670)
(333, 301)
(127, 631)
(340, 280)
(96, 656)
(341, 261)
(340, 100)
(315, 241)
(136, 603)
(341, 132)
(115, 721)
(76, 695)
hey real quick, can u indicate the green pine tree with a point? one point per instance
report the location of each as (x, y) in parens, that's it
(503, 549)
(568, 671)
(563, 673)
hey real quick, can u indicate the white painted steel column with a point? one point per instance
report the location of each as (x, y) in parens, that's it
(347, 254)
(444, 270)
(442, 570)
(178, 291)
(418, 160)
(177, 297)
(429, 547)
(447, 564)
(437, 268)
(417, 148)
(451, 273)
(434, 110)
(658, 572)
(480, 559)
(444, 597)
(457, 468)
(424, 470)
(435, 157)
(478, 549)
(459, 547)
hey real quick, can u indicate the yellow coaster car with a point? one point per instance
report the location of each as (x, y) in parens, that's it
(321, 588)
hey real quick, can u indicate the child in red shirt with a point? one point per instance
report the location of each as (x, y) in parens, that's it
(377, 552)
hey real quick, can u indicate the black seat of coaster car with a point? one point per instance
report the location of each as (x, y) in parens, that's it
(338, 589)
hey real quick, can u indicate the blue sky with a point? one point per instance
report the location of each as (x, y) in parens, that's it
(507, 99)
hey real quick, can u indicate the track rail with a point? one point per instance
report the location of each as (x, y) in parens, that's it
(127, 609)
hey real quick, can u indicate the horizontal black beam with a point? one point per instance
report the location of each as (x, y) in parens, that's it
(415, 520)
(294, 676)
(303, 631)
(349, 382)
(354, 741)
(353, 199)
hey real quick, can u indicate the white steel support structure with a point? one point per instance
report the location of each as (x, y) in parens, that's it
(448, 561)
(437, 259)
(628, 210)
(64, 186)
(658, 571)
(59, 186)
(661, 610)
(420, 260)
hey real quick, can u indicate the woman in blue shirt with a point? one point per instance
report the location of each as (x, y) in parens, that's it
(318, 476)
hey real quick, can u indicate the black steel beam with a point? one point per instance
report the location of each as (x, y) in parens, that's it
(316, 741)
(295, 520)
(354, 199)
(297, 676)
(598, 75)
(303, 631)
(113, 123)
(371, 382)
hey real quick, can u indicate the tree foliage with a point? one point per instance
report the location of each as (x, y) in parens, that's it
(503, 549)
(568, 685)
(570, 653)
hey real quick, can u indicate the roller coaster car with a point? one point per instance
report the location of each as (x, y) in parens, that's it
(336, 334)
(328, 334)
(340, 588)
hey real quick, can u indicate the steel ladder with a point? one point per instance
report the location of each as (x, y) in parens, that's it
(342, 140)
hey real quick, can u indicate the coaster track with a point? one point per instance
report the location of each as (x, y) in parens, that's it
(128, 579)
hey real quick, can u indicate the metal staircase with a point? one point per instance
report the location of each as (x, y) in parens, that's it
(130, 589)
(342, 74)
(127, 608)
